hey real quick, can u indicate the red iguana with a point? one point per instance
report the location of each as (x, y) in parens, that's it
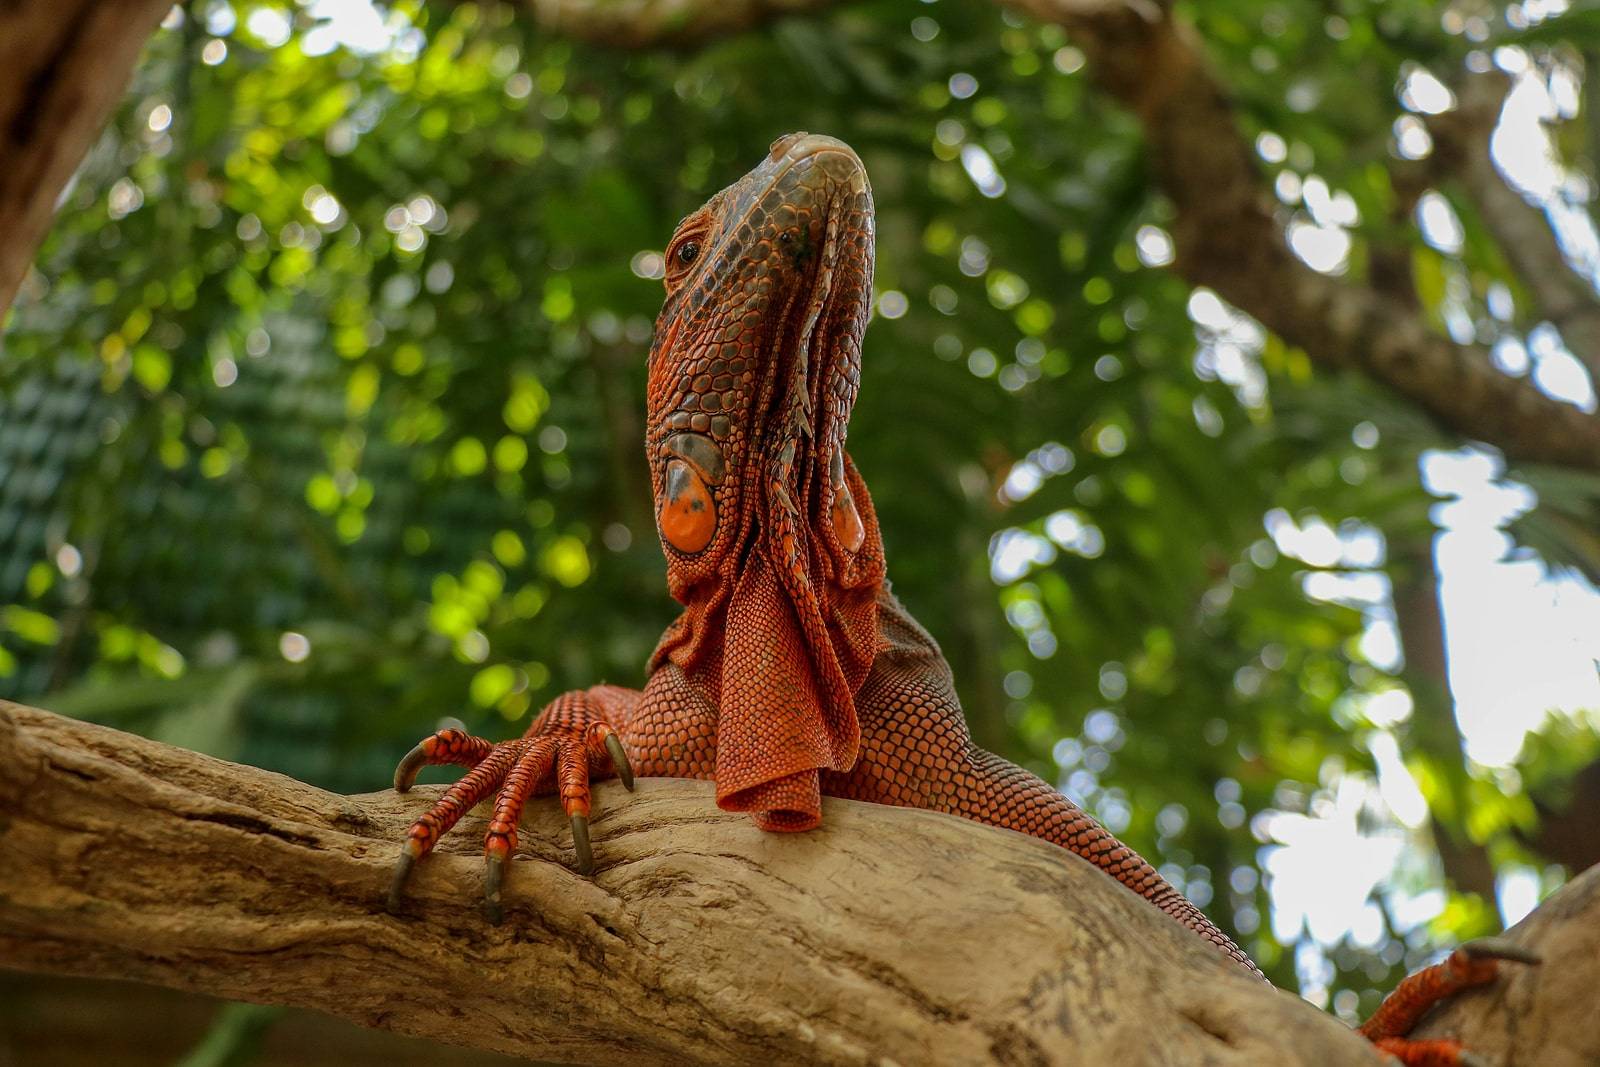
(793, 672)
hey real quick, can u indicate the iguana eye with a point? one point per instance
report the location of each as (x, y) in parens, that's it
(684, 251)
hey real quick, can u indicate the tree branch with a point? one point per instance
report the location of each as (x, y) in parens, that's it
(639, 24)
(888, 935)
(1228, 238)
(64, 66)
(1461, 140)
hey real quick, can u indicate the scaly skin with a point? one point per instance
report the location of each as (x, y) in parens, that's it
(793, 672)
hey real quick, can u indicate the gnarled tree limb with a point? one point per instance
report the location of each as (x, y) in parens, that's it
(889, 935)
(1228, 237)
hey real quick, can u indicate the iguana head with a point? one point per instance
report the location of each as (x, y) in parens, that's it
(758, 348)
(768, 531)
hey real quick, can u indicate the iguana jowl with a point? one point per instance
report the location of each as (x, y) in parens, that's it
(793, 672)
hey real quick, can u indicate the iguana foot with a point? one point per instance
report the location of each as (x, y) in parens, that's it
(1475, 963)
(558, 761)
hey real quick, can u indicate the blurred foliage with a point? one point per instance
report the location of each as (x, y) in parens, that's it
(321, 416)
(234, 1037)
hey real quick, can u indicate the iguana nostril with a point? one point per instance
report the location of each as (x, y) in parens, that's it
(703, 454)
(783, 144)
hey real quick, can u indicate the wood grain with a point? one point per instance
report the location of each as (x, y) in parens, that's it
(888, 936)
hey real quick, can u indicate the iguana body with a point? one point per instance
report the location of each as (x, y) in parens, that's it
(793, 672)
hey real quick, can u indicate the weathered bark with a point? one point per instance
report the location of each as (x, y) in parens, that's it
(64, 65)
(888, 935)
(1545, 1015)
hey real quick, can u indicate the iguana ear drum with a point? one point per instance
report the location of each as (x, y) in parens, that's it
(688, 515)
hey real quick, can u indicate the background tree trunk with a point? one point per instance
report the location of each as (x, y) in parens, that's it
(889, 935)
(64, 66)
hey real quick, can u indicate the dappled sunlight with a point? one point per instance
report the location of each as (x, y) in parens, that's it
(322, 411)
(1523, 642)
(1325, 868)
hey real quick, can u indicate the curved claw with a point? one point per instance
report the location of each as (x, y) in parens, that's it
(580, 844)
(1500, 948)
(619, 760)
(402, 871)
(405, 775)
(493, 874)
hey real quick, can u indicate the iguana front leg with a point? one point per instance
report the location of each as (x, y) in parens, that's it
(668, 730)
(573, 741)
